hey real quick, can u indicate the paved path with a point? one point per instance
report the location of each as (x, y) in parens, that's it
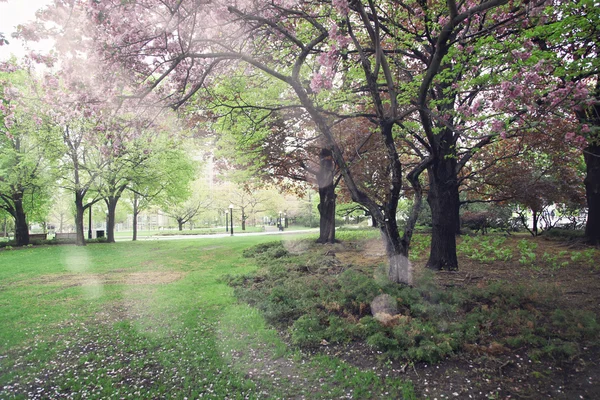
(217, 235)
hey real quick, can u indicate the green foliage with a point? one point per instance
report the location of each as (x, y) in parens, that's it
(318, 306)
(587, 256)
(527, 252)
(485, 249)
(307, 331)
(270, 250)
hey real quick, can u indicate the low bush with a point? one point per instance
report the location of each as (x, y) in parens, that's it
(320, 301)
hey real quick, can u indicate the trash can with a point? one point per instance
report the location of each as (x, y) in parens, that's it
(100, 233)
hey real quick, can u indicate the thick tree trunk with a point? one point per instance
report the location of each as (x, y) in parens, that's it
(21, 227)
(135, 216)
(327, 198)
(111, 204)
(79, 214)
(326, 209)
(592, 193)
(444, 202)
(180, 223)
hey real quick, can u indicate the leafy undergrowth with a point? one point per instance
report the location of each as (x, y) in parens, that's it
(319, 301)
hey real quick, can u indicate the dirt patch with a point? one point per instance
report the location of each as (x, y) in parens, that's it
(116, 277)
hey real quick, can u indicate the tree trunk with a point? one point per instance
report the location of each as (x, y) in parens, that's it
(111, 204)
(535, 217)
(327, 198)
(79, 211)
(243, 219)
(21, 227)
(374, 222)
(592, 193)
(136, 211)
(180, 223)
(444, 202)
(399, 270)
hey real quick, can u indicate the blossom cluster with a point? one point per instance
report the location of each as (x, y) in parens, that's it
(327, 61)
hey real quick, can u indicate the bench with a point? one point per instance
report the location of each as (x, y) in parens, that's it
(67, 237)
(38, 236)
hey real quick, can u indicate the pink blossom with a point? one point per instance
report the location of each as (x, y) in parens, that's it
(317, 82)
(497, 126)
(580, 140)
(569, 136)
(341, 7)
(585, 128)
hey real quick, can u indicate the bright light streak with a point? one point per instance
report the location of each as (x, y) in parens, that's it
(13, 13)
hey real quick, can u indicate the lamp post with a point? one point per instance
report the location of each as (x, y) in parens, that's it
(90, 223)
(226, 221)
(280, 224)
(231, 217)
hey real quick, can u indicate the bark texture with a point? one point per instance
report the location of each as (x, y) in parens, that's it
(21, 227)
(592, 193)
(327, 197)
(79, 215)
(444, 202)
(111, 204)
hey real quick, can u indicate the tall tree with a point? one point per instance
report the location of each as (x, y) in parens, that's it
(24, 161)
(165, 180)
(275, 140)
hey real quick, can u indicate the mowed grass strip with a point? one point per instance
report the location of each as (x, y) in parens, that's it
(143, 320)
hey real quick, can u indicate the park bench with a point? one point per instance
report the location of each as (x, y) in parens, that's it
(65, 237)
(38, 236)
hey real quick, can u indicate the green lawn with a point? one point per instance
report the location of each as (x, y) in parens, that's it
(151, 320)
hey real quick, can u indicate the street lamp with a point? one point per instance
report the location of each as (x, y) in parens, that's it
(226, 221)
(90, 223)
(231, 217)
(280, 220)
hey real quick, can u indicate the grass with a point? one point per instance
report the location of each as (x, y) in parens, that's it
(151, 320)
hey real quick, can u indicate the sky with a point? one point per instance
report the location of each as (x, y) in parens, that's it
(13, 13)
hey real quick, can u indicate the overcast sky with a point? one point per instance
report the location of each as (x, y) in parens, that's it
(13, 13)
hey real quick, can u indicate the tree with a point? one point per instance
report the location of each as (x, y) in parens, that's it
(185, 211)
(135, 144)
(564, 41)
(164, 180)
(275, 141)
(24, 163)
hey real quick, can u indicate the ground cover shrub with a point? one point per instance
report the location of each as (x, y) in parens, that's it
(485, 249)
(318, 301)
(563, 233)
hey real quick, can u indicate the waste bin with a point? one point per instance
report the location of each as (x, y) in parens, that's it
(100, 233)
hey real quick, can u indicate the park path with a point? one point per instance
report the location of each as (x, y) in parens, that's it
(218, 235)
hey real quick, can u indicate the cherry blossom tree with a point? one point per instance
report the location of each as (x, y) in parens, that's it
(324, 51)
